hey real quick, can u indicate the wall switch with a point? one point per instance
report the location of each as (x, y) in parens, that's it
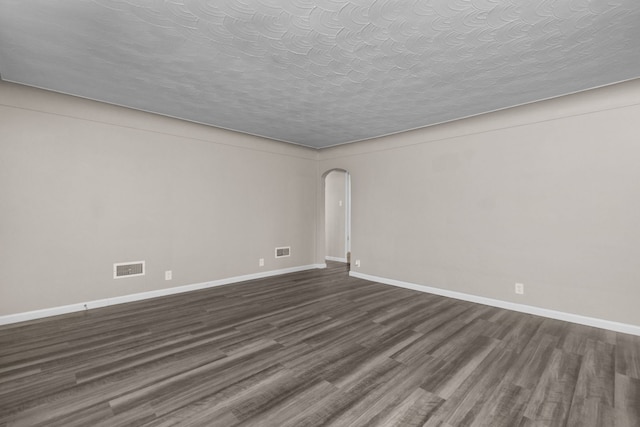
(168, 275)
(519, 289)
(357, 263)
(261, 262)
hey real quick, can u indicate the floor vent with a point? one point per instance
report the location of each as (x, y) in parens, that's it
(128, 269)
(283, 252)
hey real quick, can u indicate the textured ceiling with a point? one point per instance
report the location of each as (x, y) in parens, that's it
(319, 72)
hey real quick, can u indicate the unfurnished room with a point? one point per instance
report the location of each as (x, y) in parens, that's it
(320, 213)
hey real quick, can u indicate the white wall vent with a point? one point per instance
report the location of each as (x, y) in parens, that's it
(128, 269)
(283, 252)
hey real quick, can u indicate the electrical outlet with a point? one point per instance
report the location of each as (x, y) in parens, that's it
(357, 263)
(168, 275)
(519, 288)
(261, 262)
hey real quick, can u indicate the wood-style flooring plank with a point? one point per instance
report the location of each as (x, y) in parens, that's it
(551, 399)
(593, 397)
(627, 401)
(628, 356)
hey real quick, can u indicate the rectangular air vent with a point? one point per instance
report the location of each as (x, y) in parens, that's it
(283, 252)
(128, 269)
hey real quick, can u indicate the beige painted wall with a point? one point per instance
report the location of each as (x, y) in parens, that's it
(546, 194)
(85, 184)
(335, 214)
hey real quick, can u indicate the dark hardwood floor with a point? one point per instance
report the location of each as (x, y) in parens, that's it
(315, 348)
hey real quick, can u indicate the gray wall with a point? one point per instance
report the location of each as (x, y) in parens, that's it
(84, 185)
(546, 194)
(335, 214)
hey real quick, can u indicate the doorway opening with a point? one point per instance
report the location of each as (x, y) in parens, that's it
(337, 205)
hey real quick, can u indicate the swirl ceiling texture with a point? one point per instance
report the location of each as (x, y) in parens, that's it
(319, 72)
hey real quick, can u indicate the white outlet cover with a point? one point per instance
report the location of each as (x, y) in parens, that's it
(357, 263)
(168, 275)
(519, 289)
(261, 262)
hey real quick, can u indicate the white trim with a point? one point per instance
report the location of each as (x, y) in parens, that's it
(65, 309)
(553, 314)
(333, 258)
(347, 213)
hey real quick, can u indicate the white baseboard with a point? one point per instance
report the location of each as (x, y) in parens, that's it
(65, 309)
(333, 258)
(553, 314)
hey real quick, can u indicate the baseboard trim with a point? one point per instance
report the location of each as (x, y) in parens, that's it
(71, 308)
(523, 308)
(333, 258)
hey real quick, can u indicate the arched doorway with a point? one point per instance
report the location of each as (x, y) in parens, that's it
(337, 216)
